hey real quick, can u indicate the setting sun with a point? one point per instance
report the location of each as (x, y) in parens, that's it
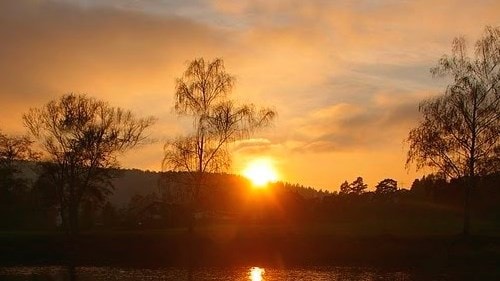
(256, 273)
(260, 172)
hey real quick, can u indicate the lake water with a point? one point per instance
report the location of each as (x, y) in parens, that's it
(47, 273)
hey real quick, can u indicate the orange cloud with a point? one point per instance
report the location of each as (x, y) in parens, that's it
(345, 76)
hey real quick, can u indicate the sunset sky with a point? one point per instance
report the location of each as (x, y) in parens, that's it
(346, 77)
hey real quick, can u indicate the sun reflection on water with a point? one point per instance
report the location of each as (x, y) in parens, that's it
(256, 273)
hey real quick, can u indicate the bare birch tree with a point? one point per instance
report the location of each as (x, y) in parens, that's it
(203, 94)
(459, 132)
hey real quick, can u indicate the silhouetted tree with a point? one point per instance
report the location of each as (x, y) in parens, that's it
(386, 187)
(428, 184)
(345, 188)
(459, 133)
(81, 137)
(13, 185)
(358, 186)
(45, 198)
(13, 149)
(202, 93)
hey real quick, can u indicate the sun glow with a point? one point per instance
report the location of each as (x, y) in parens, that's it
(261, 172)
(256, 273)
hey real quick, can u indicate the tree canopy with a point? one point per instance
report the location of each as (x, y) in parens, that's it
(459, 134)
(357, 187)
(14, 151)
(203, 93)
(81, 138)
(386, 187)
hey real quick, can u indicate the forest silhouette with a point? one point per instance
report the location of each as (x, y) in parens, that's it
(65, 199)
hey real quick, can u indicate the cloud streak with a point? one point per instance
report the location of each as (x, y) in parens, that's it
(345, 76)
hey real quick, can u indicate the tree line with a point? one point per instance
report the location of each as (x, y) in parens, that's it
(229, 198)
(77, 139)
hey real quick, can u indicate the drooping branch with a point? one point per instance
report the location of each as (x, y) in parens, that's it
(203, 93)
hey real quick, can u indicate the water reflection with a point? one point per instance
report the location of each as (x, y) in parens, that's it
(256, 273)
(47, 273)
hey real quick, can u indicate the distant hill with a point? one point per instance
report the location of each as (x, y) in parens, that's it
(133, 182)
(130, 182)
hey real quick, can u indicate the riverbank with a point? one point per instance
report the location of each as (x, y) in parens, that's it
(269, 246)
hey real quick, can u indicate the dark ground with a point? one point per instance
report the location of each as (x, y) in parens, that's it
(232, 245)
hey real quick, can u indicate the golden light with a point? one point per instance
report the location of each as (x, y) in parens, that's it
(256, 273)
(260, 171)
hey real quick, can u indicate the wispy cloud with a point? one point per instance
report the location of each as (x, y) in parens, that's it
(345, 76)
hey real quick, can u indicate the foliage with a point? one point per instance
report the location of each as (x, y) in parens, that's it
(345, 188)
(459, 135)
(357, 187)
(14, 199)
(386, 187)
(202, 94)
(81, 137)
(428, 184)
(13, 149)
(228, 199)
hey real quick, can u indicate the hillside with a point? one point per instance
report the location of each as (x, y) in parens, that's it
(130, 182)
(133, 182)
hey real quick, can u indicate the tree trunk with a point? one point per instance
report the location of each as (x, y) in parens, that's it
(64, 218)
(470, 185)
(471, 179)
(73, 219)
(466, 227)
